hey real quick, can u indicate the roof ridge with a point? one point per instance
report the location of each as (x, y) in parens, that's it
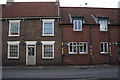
(90, 7)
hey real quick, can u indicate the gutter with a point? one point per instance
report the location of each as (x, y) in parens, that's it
(30, 18)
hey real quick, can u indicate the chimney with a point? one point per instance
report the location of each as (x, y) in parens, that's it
(58, 3)
(10, 1)
(86, 4)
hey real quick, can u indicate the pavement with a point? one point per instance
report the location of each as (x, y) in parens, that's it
(57, 67)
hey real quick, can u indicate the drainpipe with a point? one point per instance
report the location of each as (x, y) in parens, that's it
(90, 37)
(110, 59)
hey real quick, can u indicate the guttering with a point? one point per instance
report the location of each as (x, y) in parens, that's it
(30, 18)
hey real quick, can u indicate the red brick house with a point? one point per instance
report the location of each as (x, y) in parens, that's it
(42, 33)
(90, 35)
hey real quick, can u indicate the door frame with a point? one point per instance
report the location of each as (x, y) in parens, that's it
(27, 45)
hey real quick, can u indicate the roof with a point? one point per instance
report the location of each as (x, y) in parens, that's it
(30, 9)
(87, 12)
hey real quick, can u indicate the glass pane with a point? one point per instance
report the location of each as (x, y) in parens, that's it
(48, 50)
(13, 50)
(74, 47)
(79, 24)
(14, 28)
(85, 47)
(81, 47)
(75, 25)
(30, 51)
(71, 47)
(48, 28)
(102, 47)
(105, 46)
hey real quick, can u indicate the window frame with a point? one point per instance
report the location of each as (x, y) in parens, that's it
(72, 48)
(101, 25)
(104, 48)
(13, 43)
(14, 21)
(83, 48)
(50, 21)
(47, 43)
(77, 25)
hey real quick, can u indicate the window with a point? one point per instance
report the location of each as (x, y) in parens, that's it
(72, 48)
(77, 25)
(103, 25)
(13, 49)
(14, 27)
(83, 49)
(48, 27)
(104, 47)
(48, 49)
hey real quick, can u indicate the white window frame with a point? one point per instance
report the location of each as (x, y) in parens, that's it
(14, 21)
(72, 48)
(83, 48)
(51, 21)
(12, 43)
(77, 25)
(103, 48)
(47, 43)
(102, 26)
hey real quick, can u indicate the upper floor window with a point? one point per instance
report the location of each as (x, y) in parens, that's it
(72, 47)
(83, 49)
(14, 27)
(77, 25)
(104, 47)
(48, 27)
(13, 49)
(103, 25)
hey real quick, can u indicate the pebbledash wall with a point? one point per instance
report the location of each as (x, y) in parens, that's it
(31, 29)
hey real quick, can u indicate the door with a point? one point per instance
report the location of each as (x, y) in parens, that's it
(31, 55)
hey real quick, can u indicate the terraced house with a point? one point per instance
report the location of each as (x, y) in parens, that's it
(43, 33)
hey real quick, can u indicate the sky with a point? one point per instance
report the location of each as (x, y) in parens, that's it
(77, 3)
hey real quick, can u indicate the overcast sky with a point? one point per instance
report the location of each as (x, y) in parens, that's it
(78, 3)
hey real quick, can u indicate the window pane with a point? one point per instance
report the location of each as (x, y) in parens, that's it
(103, 25)
(13, 50)
(81, 47)
(85, 47)
(74, 48)
(102, 47)
(75, 25)
(70, 47)
(79, 24)
(48, 28)
(48, 50)
(14, 28)
(105, 46)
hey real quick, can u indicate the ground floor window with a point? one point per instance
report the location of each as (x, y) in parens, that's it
(72, 47)
(104, 47)
(13, 49)
(83, 49)
(48, 49)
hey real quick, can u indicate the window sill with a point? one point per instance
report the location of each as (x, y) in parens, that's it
(72, 53)
(104, 52)
(77, 30)
(13, 58)
(83, 53)
(48, 58)
(48, 35)
(13, 35)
